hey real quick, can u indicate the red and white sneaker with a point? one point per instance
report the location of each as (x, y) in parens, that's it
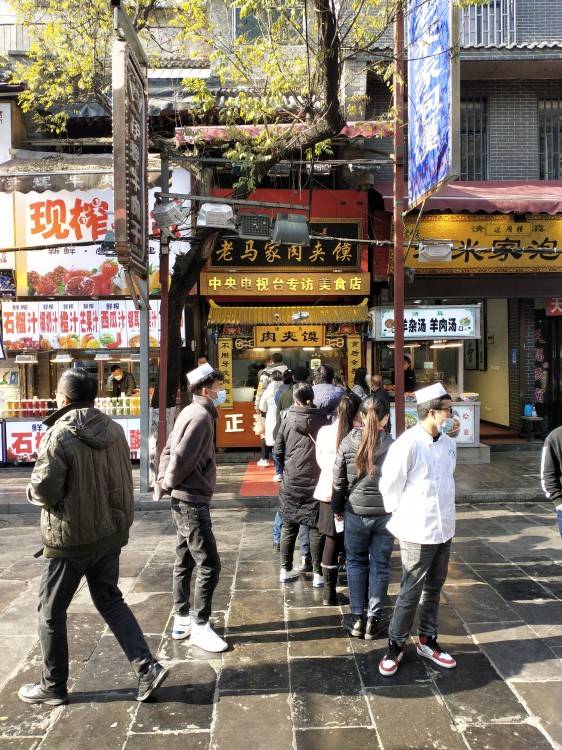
(390, 662)
(430, 649)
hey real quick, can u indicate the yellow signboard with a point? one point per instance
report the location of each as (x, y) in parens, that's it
(353, 357)
(489, 244)
(225, 366)
(240, 284)
(288, 336)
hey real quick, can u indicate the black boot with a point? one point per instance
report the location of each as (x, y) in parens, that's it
(376, 628)
(330, 597)
(355, 625)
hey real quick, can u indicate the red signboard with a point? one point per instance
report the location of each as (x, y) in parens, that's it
(553, 306)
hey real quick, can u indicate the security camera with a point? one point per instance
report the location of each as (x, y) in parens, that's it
(277, 317)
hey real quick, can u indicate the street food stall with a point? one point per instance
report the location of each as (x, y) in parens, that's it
(434, 340)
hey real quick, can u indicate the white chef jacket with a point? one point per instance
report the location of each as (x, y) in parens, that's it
(418, 487)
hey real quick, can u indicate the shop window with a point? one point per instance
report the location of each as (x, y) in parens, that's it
(550, 130)
(253, 26)
(474, 139)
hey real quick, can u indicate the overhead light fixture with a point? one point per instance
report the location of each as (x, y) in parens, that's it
(301, 315)
(102, 357)
(326, 348)
(26, 359)
(254, 226)
(216, 215)
(62, 357)
(290, 229)
(436, 252)
(309, 348)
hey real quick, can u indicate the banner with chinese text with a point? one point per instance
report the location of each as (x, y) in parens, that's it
(321, 253)
(489, 244)
(422, 322)
(225, 366)
(23, 440)
(283, 284)
(269, 336)
(353, 357)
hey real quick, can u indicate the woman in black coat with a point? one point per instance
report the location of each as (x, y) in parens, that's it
(295, 450)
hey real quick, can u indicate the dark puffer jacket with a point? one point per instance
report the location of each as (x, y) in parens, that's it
(359, 495)
(295, 448)
(82, 479)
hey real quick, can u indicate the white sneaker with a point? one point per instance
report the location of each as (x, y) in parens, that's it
(318, 580)
(289, 575)
(181, 627)
(205, 637)
(278, 478)
(263, 462)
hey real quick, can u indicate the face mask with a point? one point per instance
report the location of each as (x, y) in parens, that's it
(220, 399)
(118, 377)
(446, 426)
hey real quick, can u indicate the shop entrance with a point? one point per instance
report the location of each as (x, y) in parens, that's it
(548, 370)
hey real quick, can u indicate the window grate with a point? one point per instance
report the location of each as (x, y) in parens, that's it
(550, 136)
(474, 139)
(489, 24)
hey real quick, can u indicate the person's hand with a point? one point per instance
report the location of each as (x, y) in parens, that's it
(159, 492)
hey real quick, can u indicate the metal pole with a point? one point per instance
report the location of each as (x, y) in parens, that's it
(398, 174)
(163, 370)
(144, 385)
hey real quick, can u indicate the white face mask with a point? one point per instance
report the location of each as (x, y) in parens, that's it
(117, 377)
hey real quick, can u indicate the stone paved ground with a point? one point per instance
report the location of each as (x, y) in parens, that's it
(292, 679)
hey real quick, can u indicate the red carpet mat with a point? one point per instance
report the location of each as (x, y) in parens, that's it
(258, 482)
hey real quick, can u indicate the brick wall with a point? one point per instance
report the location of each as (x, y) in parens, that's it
(521, 338)
(539, 20)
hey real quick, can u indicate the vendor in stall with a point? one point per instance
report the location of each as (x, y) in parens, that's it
(409, 375)
(120, 382)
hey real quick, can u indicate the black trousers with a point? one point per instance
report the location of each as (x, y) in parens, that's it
(195, 547)
(289, 533)
(59, 582)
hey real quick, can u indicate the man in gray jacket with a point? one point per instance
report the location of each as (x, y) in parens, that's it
(188, 473)
(83, 482)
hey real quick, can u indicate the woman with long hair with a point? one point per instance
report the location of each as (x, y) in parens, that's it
(360, 383)
(357, 500)
(327, 444)
(294, 448)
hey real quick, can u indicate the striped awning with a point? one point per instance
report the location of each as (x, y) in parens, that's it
(265, 315)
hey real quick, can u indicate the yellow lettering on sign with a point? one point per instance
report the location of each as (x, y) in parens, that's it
(318, 253)
(289, 336)
(225, 251)
(250, 252)
(224, 347)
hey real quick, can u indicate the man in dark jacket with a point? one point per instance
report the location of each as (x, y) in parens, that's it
(379, 392)
(188, 472)
(295, 449)
(120, 382)
(83, 482)
(551, 471)
(326, 395)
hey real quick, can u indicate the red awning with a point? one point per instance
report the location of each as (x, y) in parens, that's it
(508, 196)
(371, 129)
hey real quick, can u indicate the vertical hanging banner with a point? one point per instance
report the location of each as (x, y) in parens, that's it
(225, 365)
(353, 357)
(433, 97)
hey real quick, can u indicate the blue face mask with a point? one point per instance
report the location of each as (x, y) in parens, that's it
(220, 399)
(446, 426)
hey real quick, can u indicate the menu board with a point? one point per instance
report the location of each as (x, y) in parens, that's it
(23, 440)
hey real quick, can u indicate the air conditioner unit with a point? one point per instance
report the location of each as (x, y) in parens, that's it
(435, 252)
(254, 226)
(216, 215)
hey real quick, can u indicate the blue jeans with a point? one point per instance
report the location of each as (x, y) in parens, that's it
(304, 537)
(277, 464)
(368, 547)
(559, 517)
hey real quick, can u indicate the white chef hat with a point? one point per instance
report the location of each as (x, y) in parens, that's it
(200, 373)
(430, 392)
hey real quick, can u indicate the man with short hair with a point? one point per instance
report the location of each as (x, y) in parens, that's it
(188, 473)
(120, 382)
(378, 391)
(326, 395)
(201, 360)
(418, 488)
(551, 471)
(82, 481)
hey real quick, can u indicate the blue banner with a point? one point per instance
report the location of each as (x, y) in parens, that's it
(432, 97)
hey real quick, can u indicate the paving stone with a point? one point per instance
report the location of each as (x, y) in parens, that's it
(11, 743)
(518, 654)
(478, 603)
(544, 701)
(22, 719)
(544, 617)
(473, 692)
(152, 610)
(254, 611)
(185, 701)
(477, 553)
(301, 593)
(263, 721)
(154, 578)
(254, 575)
(412, 669)
(131, 563)
(460, 572)
(255, 666)
(169, 741)
(519, 589)
(509, 736)
(326, 693)
(337, 739)
(436, 731)
(317, 632)
(13, 650)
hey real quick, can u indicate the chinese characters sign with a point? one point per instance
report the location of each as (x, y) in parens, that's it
(429, 322)
(553, 306)
(225, 366)
(321, 253)
(490, 244)
(86, 324)
(130, 151)
(235, 427)
(23, 440)
(464, 418)
(283, 284)
(433, 97)
(58, 218)
(286, 336)
(353, 356)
